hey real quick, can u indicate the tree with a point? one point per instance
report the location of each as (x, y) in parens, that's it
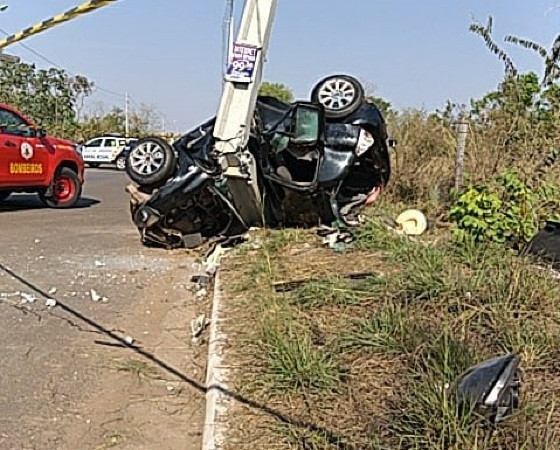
(49, 96)
(277, 90)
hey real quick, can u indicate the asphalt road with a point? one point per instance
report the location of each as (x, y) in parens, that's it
(65, 382)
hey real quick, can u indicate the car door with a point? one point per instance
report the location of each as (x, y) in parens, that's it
(91, 149)
(110, 150)
(23, 159)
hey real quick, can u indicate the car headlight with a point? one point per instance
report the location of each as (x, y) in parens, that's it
(492, 387)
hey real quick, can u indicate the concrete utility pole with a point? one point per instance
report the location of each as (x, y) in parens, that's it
(233, 123)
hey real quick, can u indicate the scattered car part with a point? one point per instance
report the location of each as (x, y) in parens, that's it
(340, 95)
(492, 387)
(411, 222)
(545, 246)
(198, 325)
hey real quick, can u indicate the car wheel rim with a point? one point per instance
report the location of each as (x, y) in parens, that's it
(64, 189)
(147, 158)
(337, 94)
(121, 163)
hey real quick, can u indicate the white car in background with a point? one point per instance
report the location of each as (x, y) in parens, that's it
(105, 150)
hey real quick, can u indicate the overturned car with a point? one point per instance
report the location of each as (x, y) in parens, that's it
(315, 162)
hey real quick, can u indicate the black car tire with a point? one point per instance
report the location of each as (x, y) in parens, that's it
(340, 95)
(93, 165)
(151, 162)
(67, 190)
(4, 195)
(120, 162)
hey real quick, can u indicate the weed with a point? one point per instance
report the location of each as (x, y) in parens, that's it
(431, 416)
(293, 363)
(138, 368)
(389, 330)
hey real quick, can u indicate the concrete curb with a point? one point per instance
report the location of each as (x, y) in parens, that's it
(216, 376)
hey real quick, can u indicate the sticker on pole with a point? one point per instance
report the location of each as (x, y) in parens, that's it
(242, 63)
(26, 151)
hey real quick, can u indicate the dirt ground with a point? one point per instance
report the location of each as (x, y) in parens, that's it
(69, 384)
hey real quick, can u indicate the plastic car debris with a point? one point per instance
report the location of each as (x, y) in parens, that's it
(545, 246)
(198, 325)
(411, 222)
(27, 298)
(492, 387)
(201, 280)
(96, 297)
(336, 237)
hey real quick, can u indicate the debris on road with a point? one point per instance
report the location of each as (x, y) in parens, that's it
(129, 340)
(99, 264)
(96, 297)
(201, 293)
(212, 261)
(201, 280)
(52, 291)
(198, 325)
(50, 303)
(27, 298)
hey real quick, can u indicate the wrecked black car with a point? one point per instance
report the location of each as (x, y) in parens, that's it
(316, 162)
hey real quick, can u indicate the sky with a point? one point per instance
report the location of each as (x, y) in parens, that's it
(168, 53)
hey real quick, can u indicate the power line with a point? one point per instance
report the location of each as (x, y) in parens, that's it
(58, 66)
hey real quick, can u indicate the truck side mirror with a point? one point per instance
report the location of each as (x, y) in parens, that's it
(40, 133)
(308, 120)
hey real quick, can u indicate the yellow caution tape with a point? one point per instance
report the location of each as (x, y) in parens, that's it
(56, 20)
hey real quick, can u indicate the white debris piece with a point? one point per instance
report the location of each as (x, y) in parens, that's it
(99, 264)
(50, 303)
(198, 325)
(27, 298)
(129, 340)
(52, 291)
(9, 294)
(37, 241)
(96, 297)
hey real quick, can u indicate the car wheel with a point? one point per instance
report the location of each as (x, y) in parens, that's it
(121, 163)
(93, 165)
(66, 190)
(340, 95)
(151, 162)
(4, 195)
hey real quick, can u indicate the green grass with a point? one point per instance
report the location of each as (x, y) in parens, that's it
(389, 330)
(295, 364)
(140, 369)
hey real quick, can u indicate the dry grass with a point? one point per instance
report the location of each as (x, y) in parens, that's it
(363, 363)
